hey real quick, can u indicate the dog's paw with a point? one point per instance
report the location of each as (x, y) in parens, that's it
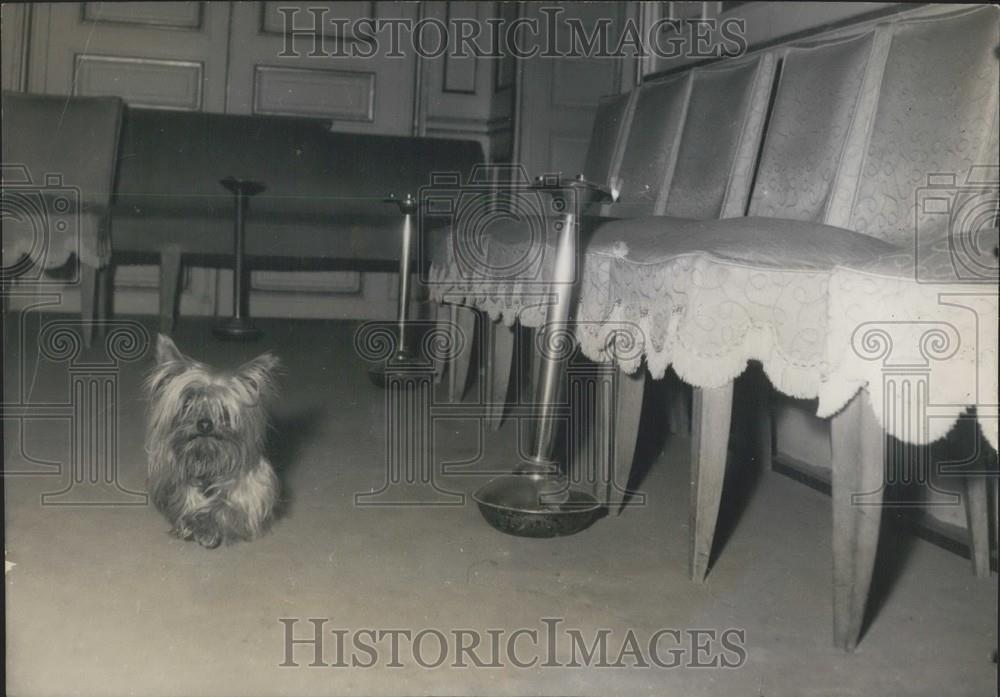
(181, 531)
(208, 540)
(206, 532)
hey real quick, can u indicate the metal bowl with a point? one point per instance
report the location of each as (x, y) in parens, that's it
(516, 505)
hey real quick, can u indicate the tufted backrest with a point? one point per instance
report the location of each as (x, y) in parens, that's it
(936, 117)
(816, 101)
(605, 137)
(721, 138)
(650, 144)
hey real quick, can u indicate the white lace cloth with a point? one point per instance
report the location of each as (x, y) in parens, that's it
(921, 335)
(816, 331)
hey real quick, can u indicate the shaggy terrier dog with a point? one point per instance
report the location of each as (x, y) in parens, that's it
(207, 470)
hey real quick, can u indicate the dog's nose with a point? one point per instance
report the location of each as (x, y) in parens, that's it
(204, 426)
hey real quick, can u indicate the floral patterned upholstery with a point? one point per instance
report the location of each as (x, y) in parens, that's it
(860, 128)
(937, 113)
(721, 138)
(610, 120)
(650, 146)
(809, 127)
(671, 119)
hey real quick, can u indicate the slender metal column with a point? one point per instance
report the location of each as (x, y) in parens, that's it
(239, 326)
(553, 334)
(536, 500)
(408, 205)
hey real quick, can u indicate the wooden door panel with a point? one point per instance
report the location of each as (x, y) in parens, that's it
(174, 15)
(142, 82)
(270, 73)
(166, 55)
(340, 95)
(273, 22)
(560, 95)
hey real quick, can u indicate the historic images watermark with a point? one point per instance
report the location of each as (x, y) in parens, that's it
(312, 643)
(41, 225)
(960, 214)
(41, 215)
(596, 457)
(935, 347)
(313, 32)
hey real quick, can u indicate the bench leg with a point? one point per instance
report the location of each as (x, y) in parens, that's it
(858, 468)
(501, 359)
(88, 301)
(628, 411)
(977, 515)
(463, 321)
(105, 293)
(437, 316)
(763, 424)
(170, 280)
(532, 374)
(712, 410)
(678, 420)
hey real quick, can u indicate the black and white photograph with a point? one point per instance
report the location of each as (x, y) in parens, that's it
(509, 348)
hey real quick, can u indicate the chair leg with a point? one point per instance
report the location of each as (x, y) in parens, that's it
(170, 280)
(763, 424)
(858, 468)
(457, 348)
(463, 320)
(534, 374)
(105, 292)
(628, 410)
(977, 515)
(712, 409)
(501, 355)
(677, 411)
(436, 314)
(88, 300)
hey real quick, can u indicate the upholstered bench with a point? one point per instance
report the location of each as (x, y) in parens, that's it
(681, 146)
(860, 126)
(59, 158)
(323, 200)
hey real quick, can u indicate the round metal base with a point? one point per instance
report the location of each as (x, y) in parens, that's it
(526, 506)
(237, 329)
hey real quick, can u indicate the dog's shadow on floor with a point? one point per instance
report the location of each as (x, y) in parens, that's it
(290, 431)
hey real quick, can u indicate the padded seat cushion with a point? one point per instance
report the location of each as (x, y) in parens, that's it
(965, 257)
(758, 241)
(764, 242)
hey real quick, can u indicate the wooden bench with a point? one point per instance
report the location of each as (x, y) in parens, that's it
(322, 206)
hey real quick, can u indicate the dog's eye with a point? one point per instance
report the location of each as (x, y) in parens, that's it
(187, 402)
